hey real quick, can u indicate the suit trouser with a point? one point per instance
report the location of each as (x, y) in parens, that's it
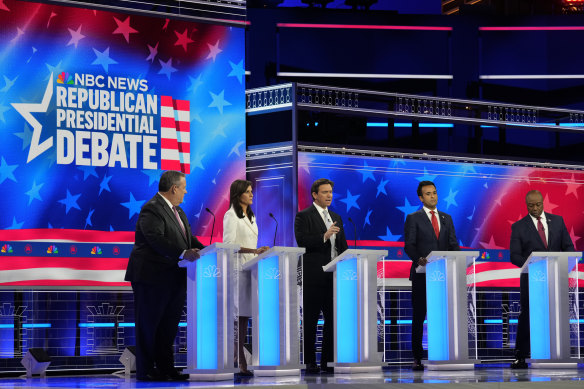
(418, 314)
(158, 309)
(522, 345)
(316, 298)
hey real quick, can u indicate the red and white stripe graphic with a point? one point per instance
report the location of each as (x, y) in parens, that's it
(175, 128)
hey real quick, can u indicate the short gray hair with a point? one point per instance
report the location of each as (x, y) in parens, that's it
(168, 179)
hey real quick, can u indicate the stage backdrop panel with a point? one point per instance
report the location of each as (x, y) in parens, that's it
(94, 105)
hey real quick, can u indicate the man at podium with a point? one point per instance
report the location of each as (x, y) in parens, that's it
(425, 230)
(321, 232)
(538, 231)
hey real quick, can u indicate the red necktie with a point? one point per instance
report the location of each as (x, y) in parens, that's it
(435, 224)
(541, 232)
(180, 223)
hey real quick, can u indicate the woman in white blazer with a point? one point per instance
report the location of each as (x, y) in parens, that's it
(239, 227)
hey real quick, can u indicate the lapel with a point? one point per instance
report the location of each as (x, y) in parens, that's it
(170, 214)
(549, 231)
(247, 222)
(318, 218)
(533, 230)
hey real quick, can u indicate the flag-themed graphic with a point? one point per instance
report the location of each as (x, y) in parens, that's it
(175, 142)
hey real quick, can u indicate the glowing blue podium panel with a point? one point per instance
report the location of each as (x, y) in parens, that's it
(450, 314)
(211, 289)
(355, 311)
(275, 311)
(552, 278)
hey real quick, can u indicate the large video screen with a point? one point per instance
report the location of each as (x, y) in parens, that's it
(94, 106)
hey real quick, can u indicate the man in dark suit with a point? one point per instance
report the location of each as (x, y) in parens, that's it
(163, 238)
(426, 230)
(538, 231)
(321, 232)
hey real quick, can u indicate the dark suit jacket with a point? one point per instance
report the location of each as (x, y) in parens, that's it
(525, 238)
(309, 229)
(420, 239)
(159, 242)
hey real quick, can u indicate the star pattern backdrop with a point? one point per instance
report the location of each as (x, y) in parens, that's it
(200, 63)
(483, 200)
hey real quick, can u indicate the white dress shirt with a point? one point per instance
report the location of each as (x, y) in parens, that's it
(326, 222)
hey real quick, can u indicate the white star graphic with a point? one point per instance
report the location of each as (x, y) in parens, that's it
(213, 50)
(25, 109)
(76, 36)
(235, 149)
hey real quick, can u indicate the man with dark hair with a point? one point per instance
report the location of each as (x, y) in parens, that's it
(321, 232)
(163, 238)
(426, 230)
(538, 231)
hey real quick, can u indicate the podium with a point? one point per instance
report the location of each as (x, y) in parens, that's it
(275, 313)
(211, 287)
(355, 311)
(447, 310)
(549, 308)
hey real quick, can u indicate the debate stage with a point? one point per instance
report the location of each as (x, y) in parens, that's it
(484, 376)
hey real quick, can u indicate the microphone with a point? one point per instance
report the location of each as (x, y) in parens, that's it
(213, 227)
(355, 230)
(275, 232)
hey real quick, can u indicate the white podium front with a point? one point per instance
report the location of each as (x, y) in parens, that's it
(210, 320)
(355, 311)
(275, 311)
(447, 310)
(549, 308)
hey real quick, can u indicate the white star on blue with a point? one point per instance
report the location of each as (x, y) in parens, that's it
(369, 212)
(6, 171)
(367, 172)
(166, 68)
(25, 135)
(195, 83)
(87, 171)
(237, 70)
(33, 193)
(408, 208)
(426, 176)
(88, 218)
(103, 59)
(219, 101)
(15, 225)
(153, 176)
(70, 201)
(350, 201)
(451, 199)
(389, 237)
(133, 205)
(104, 185)
(381, 187)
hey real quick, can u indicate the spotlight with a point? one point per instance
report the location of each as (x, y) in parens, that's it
(35, 361)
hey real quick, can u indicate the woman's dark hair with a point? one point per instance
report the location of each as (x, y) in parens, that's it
(238, 187)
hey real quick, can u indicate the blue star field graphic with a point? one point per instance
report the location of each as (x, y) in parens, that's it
(47, 47)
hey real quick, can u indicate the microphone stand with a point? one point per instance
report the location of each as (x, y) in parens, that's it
(213, 227)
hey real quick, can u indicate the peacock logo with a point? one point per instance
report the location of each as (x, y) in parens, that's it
(96, 250)
(6, 249)
(485, 255)
(52, 249)
(65, 78)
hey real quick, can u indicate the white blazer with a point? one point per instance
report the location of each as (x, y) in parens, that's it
(241, 232)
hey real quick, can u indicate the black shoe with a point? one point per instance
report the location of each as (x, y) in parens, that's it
(519, 363)
(245, 373)
(177, 377)
(311, 368)
(151, 377)
(417, 365)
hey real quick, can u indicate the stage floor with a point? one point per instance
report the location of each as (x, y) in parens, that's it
(484, 376)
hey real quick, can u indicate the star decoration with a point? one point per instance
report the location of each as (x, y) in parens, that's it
(219, 130)
(516, 220)
(389, 237)
(88, 218)
(499, 199)
(381, 187)
(87, 171)
(182, 39)
(367, 172)
(573, 186)
(451, 199)
(124, 28)
(6, 171)
(153, 176)
(70, 201)
(54, 69)
(195, 83)
(350, 201)
(19, 33)
(573, 236)
(133, 205)
(25, 135)
(9, 84)
(166, 67)
(197, 161)
(15, 225)
(3, 6)
(237, 70)
(53, 14)
(367, 221)
(104, 185)
(426, 176)
(235, 149)
(490, 245)
(103, 59)
(407, 208)
(219, 101)
(213, 50)
(548, 205)
(76, 36)
(3, 109)
(33, 193)
(153, 52)
(472, 214)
